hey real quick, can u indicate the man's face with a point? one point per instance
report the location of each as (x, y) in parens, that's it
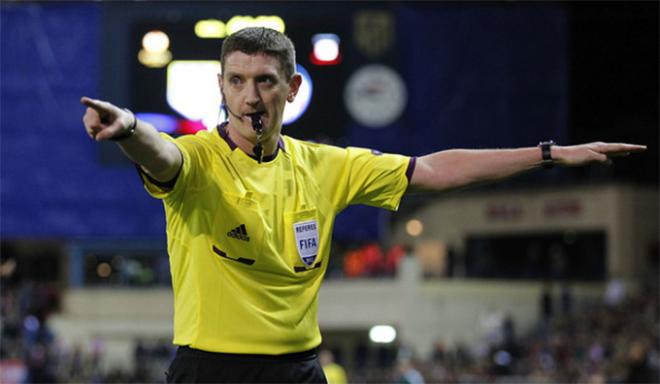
(256, 84)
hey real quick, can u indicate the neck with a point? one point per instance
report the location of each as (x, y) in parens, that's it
(246, 144)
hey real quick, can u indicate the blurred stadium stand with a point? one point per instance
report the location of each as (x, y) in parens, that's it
(551, 276)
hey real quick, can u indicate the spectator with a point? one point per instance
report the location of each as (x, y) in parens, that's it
(334, 373)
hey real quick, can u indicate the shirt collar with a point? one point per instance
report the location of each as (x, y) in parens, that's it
(222, 130)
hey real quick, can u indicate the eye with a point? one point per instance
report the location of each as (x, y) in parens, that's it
(235, 80)
(267, 80)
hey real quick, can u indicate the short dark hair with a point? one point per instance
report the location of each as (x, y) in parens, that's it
(262, 40)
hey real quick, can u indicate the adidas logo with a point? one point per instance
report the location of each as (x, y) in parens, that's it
(239, 233)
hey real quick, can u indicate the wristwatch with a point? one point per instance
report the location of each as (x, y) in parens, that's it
(129, 131)
(546, 153)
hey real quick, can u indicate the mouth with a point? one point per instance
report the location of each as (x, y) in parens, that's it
(256, 114)
(256, 120)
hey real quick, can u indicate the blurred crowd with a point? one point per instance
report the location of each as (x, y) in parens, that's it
(30, 352)
(614, 340)
(603, 343)
(27, 340)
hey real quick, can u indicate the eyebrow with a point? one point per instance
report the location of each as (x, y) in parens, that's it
(272, 75)
(229, 74)
(266, 76)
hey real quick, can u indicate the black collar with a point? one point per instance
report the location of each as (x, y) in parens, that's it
(222, 130)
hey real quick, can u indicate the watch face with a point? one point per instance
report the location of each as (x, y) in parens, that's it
(375, 96)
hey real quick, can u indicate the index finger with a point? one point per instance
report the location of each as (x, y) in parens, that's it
(614, 148)
(624, 147)
(97, 105)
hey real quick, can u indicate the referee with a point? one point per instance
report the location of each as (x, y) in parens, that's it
(250, 212)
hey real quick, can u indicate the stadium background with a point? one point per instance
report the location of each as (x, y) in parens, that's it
(84, 273)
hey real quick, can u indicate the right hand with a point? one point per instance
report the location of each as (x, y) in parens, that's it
(104, 120)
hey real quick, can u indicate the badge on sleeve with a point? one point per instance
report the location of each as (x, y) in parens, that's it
(307, 240)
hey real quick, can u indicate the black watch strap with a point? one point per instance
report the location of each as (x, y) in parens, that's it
(128, 132)
(546, 154)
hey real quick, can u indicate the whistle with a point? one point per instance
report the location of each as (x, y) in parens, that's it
(258, 127)
(257, 124)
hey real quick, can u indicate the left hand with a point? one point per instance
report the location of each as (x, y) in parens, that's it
(598, 152)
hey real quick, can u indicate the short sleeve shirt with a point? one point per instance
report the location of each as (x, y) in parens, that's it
(249, 242)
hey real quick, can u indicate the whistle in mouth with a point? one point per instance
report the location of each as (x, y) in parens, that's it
(257, 124)
(258, 127)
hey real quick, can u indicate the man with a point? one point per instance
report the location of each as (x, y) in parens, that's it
(250, 212)
(334, 373)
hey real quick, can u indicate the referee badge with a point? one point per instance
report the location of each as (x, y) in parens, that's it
(307, 240)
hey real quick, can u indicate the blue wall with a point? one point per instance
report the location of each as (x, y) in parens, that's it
(477, 76)
(52, 184)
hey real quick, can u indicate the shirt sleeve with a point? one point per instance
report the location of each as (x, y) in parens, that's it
(191, 152)
(373, 178)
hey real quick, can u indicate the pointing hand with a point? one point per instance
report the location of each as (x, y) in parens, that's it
(104, 120)
(597, 152)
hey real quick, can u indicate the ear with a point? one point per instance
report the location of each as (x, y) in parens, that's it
(294, 86)
(221, 82)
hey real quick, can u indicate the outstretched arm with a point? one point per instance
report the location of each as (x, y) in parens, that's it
(460, 167)
(158, 157)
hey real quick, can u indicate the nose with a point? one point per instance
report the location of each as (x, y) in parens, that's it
(252, 97)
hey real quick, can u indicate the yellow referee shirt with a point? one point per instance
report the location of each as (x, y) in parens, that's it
(249, 242)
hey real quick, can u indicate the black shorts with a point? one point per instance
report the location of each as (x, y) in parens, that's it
(196, 366)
